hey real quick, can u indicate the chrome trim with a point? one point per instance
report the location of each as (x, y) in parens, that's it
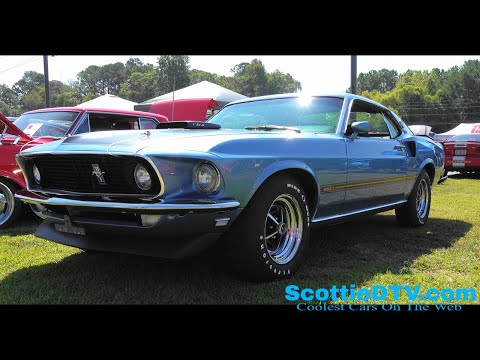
(74, 128)
(150, 161)
(343, 118)
(136, 180)
(32, 198)
(222, 221)
(332, 217)
(343, 127)
(219, 177)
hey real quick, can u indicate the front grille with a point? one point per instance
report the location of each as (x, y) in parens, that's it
(75, 174)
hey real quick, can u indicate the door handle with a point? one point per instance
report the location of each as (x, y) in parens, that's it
(399, 147)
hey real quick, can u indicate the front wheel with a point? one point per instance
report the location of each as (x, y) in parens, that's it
(269, 239)
(415, 211)
(10, 208)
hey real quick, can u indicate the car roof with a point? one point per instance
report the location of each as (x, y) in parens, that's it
(94, 109)
(293, 95)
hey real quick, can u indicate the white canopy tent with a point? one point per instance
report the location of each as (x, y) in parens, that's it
(463, 128)
(201, 90)
(109, 101)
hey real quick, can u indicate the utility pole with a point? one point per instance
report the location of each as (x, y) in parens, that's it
(353, 79)
(47, 82)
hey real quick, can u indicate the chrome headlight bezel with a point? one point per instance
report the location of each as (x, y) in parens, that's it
(37, 176)
(143, 185)
(215, 185)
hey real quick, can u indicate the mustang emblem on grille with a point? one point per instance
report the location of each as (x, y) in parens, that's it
(99, 174)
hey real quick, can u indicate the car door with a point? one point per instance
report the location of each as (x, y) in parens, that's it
(377, 161)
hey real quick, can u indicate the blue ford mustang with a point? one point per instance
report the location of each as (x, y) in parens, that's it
(256, 176)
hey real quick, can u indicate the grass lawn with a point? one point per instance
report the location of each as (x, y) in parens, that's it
(445, 253)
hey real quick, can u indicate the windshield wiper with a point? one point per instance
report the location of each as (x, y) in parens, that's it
(272, 127)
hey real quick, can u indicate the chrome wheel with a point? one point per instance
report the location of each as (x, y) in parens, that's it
(283, 229)
(7, 203)
(423, 199)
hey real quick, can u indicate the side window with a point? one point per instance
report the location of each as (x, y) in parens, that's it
(84, 126)
(392, 125)
(148, 123)
(108, 122)
(380, 124)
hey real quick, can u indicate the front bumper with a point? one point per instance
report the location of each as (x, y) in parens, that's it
(142, 208)
(179, 230)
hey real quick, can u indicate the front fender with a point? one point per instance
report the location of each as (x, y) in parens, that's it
(277, 167)
(16, 177)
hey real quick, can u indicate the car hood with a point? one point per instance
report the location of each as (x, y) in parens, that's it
(154, 141)
(14, 130)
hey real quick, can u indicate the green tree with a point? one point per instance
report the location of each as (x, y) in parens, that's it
(111, 77)
(6, 109)
(8, 97)
(250, 79)
(278, 83)
(197, 76)
(382, 80)
(101, 80)
(60, 95)
(35, 99)
(140, 86)
(173, 69)
(135, 65)
(88, 81)
(29, 81)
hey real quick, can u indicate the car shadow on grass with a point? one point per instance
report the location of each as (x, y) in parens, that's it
(350, 253)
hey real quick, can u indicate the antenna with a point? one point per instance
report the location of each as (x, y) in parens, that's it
(173, 99)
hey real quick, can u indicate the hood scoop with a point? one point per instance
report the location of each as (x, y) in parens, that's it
(198, 125)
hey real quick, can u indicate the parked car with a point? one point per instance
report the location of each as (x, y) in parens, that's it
(425, 130)
(259, 173)
(462, 153)
(46, 125)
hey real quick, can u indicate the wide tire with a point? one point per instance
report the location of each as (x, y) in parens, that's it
(270, 238)
(10, 208)
(415, 211)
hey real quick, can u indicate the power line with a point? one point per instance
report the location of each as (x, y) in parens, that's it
(35, 58)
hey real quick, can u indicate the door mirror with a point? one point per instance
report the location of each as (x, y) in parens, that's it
(360, 128)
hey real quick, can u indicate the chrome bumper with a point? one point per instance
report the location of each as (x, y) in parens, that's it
(29, 197)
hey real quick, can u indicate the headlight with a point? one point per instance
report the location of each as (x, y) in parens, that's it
(142, 178)
(36, 175)
(207, 178)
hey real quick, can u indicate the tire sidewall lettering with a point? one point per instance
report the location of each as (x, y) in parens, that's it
(275, 268)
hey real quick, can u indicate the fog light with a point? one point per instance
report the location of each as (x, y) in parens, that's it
(36, 174)
(150, 220)
(207, 178)
(142, 178)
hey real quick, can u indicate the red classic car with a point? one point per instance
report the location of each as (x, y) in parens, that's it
(462, 153)
(46, 125)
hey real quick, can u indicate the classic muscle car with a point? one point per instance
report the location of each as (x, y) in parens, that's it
(462, 153)
(256, 176)
(47, 125)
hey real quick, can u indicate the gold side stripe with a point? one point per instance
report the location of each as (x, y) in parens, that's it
(360, 184)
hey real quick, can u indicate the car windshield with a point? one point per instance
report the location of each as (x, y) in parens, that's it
(466, 137)
(307, 114)
(53, 123)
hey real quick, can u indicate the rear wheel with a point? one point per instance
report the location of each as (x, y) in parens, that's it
(269, 239)
(415, 211)
(10, 208)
